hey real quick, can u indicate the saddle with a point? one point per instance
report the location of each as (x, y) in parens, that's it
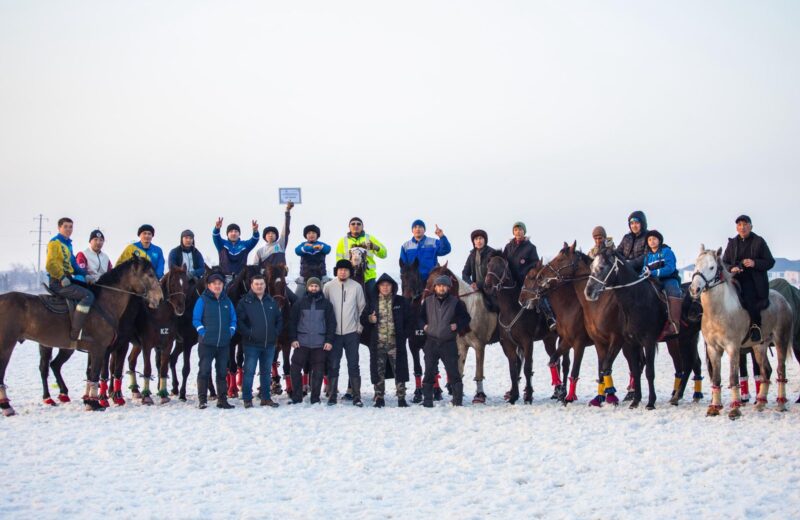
(55, 303)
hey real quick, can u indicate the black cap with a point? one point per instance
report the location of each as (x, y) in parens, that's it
(215, 276)
(356, 219)
(145, 227)
(96, 234)
(743, 217)
(272, 229)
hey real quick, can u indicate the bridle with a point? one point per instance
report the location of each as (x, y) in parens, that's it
(710, 284)
(540, 290)
(174, 305)
(506, 276)
(613, 271)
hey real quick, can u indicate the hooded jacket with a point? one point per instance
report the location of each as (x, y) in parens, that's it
(404, 326)
(260, 321)
(348, 301)
(312, 321)
(632, 246)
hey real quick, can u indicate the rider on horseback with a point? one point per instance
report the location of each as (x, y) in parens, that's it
(275, 242)
(187, 255)
(146, 249)
(93, 260)
(62, 269)
(659, 263)
(474, 272)
(356, 237)
(634, 244)
(233, 251)
(425, 249)
(522, 257)
(312, 255)
(749, 259)
(601, 241)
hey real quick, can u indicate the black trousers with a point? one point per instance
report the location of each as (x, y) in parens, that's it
(447, 351)
(302, 357)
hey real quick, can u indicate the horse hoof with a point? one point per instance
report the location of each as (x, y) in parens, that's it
(528, 400)
(781, 407)
(634, 405)
(734, 414)
(8, 412)
(713, 411)
(760, 406)
(119, 401)
(64, 398)
(596, 402)
(103, 403)
(147, 400)
(650, 407)
(92, 405)
(136, 394)
(164, 400)
(182, 398)
(629, 396)
(49, 402)
(674, 401)
(480, 398)
(174, 392)
(612, 399)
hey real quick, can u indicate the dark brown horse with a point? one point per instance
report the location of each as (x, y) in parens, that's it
(25, 317)
(156, 329)
(520, 327)
(413, 290)
(556, 284)
(275, 273)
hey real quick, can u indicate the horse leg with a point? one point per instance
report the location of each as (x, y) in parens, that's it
(480, 356)
(91, 401)
(675, 354)
(118, 364)
(743, 376)
(415, 356)
(185, 370)
(6, 348)
(528, 370)
(551, 348)
(573, 379)
(714, 364)
(782, 346)
(45, 353)
(565, 365)
(756, 371)
(173, 366)
(133, 357)
(736, 402)
(275, 387)
(650, 373)
(765, 373)
(163, 368)
(635, 365)
(147, 395)
(61, 358)
(513, 370)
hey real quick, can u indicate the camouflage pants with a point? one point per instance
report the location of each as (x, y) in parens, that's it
(387, 354)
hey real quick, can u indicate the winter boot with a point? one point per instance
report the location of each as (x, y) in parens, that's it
(76, 333)
(222, 400)
(417, 395)
(379, 402)
(401, 402)
(316, 386)
(458, 394)
(248, 403)
(355, 382)
(427, 396)
(437, 390)
(334, 387)
(202, 391)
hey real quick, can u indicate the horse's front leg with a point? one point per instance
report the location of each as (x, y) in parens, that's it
(714, 361)
(528, 371)
(63, 392)
(650, 372)
(673, 347)
(45, 354)
(480, 353)
(147, 396)
(513, 371)
(766, 372)
(91, 401)
(736, 401)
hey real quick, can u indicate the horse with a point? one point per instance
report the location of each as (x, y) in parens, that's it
(275, 272)
(358, 258)
(27, 317)
(725, 323)
(519, 325)
(481, 326)
(792, 295)
(413, 290)
(155, 328)
(644, 312)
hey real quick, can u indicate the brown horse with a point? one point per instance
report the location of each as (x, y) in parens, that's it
(277, 287)
(556, 284)
(414, 292)
(156, 329)
(27, 318)
(519, 326)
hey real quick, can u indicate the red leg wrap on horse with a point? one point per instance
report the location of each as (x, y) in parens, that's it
(556, 380)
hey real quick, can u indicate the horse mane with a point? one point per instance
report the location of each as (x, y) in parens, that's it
(115, 275)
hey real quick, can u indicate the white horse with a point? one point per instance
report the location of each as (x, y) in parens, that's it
(725, 322)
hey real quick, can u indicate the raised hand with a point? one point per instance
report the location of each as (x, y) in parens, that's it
(219, 223)
(255, 225)
(438, 231)
(289, 206)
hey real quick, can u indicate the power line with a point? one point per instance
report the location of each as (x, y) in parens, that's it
(38, 243)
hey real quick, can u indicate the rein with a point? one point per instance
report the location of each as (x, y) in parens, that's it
(716, 281)
(612, 271)
(121, 290)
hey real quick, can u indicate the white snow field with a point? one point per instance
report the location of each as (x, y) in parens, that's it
(482, 461)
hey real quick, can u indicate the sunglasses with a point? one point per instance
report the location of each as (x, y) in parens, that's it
(356, 224)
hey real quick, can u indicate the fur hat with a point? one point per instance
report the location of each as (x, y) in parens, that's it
(311, 227)
(232, 227)
(655, 233)
(443, 280)
(343, 264)
(146, 227)
(96, 234)
(478, 233)
(418, 222)
(520, 225)
(313, 281)
(272, 229)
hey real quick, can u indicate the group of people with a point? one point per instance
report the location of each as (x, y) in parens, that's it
(331, 316)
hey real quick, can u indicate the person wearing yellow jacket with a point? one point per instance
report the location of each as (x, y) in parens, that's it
(62, 270)
(356, 237)
(146, 249)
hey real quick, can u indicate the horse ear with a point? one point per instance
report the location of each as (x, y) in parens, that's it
(702, 248)
(445, 264)
(566, 246)
(719, 252)
(539, 264)
(572, 247)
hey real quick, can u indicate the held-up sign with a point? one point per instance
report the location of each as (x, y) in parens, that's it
(287, 195)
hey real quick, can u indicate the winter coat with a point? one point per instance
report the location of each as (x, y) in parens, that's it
(521, 257)
(349, 241)
(279, 246)
(312, 321)
(214, 319)
(476, 273)
(662, 263)
(348, 303)
(312, 261)
(403, 327)
(177, 258)
(754, 281)
(152, 253)
(95, 264)
(426, 251)
(260, 321)
(633, 247)
(233, 255)
(60, 261)
(438, 313)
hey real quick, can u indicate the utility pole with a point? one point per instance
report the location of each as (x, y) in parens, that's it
(38, 243)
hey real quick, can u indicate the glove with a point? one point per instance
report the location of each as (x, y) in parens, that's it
(65, 282)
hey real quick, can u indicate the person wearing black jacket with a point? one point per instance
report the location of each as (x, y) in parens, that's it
(474, 272)
(312, 327)
(442, 317)
(749, 258)
(260, 321)
(387, 321)
(633, 245)
(520, 253)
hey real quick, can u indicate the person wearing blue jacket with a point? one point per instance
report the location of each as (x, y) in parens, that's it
(424, 249)
(312, 255)
(233, 251)
(659, 263)
(260, 320)
(215, 320)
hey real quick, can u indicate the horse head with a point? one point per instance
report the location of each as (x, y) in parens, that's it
(137, 275)
(604, 270)
(709, 271)
(441, 270)
(411, 280)
(498, 275)
(175, 285)
(530, 293)
(358, 257)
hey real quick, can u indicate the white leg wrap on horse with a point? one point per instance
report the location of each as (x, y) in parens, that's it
(479, 387)
(3, 395)
(93, 393)
(146, 384)
(132, 375)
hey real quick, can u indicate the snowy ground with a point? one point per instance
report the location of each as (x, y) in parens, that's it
(492, 461)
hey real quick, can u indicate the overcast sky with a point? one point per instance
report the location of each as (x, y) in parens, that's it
(564, 115)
